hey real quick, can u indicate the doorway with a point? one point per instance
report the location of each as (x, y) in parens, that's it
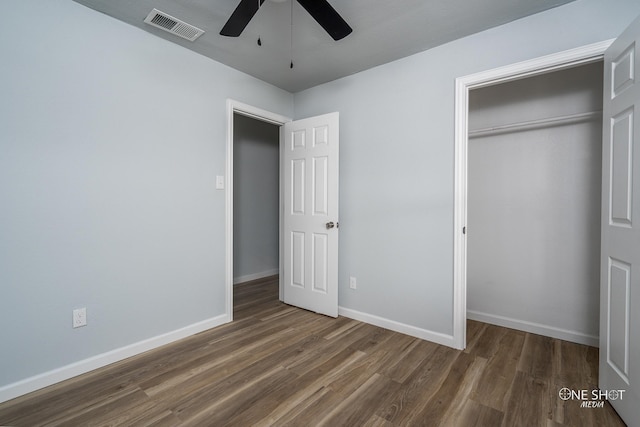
(533, 201)
(311, 195)
(256, 193)
(562, 60)
(250, 129)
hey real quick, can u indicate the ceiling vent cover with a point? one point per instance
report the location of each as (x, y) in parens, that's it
(173, 25)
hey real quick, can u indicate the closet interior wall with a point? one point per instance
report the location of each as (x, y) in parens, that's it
(534, 190)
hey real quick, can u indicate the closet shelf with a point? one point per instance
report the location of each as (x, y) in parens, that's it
(537, 124)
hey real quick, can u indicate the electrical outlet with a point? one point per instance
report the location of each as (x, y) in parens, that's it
(80, 317)
(352, 282)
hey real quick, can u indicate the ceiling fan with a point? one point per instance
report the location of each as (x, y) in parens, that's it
(320, 10)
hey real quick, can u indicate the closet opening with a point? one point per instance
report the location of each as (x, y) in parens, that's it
(534, 201)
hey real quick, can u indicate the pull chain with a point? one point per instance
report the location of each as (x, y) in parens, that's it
(259, 38)
(291, 37)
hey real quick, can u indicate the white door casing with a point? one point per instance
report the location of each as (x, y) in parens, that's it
(310, 213)
(545, 64)
(619, 372)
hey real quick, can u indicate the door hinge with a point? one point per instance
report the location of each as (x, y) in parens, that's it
(464, 230)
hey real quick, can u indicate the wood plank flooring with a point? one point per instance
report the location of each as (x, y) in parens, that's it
(279, 365)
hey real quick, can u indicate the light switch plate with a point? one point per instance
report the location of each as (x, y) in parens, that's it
(219, 182)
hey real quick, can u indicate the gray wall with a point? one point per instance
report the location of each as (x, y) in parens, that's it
(533, 254)
(397, 157)
(107, 184)
(256, 195)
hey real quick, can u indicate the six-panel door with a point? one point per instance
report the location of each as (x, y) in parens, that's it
(310, 196)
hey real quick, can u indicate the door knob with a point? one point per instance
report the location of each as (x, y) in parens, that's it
(330, 224)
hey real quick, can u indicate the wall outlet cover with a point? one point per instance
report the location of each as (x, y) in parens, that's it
(79, 317)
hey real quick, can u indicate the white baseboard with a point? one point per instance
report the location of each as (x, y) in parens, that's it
(534, 328)
(255, 276)
(425, 334)
(46, 379)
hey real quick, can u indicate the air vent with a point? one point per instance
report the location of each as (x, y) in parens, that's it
(172, 25)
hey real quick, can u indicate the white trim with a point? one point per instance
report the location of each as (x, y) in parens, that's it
(545, 64)
(533, 67)
(255, 276)
(535, 328)
(265, 116)
(460, 216)
(392, 325)
(46, 379)
(257, 113)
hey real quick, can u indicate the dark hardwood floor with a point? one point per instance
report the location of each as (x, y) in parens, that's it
(279, 365)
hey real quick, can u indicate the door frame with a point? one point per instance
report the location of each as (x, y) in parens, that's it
(236, 107)
(554, 62)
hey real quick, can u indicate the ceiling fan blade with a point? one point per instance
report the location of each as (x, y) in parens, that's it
(327, 17)
(240, 18)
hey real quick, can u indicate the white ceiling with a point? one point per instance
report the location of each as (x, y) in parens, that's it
(383, 31)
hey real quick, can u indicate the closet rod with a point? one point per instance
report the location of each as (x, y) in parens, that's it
(537, 124)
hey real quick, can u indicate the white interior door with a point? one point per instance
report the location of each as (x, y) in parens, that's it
(310, 223)
(620, 265)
